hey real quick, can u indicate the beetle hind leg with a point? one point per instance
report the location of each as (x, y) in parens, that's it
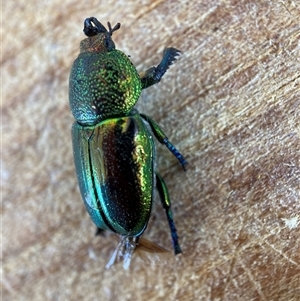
(166, 202)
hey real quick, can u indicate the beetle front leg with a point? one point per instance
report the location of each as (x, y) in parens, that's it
(166, 202)
(163, 139)
(153, 75)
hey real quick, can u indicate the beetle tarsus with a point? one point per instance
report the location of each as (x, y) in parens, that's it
(166, 202)
(176, 246)
(162, 138)
(176, 153)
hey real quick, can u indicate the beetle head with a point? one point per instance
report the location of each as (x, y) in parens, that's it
(99, 38)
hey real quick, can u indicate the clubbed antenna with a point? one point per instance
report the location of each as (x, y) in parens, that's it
(92, 27)
(116, 27)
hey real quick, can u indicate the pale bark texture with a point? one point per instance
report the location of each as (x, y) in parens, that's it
(231, 106)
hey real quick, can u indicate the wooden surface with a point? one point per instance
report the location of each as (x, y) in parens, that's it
(230, 104)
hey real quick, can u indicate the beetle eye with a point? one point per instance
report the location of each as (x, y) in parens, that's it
(108, 43)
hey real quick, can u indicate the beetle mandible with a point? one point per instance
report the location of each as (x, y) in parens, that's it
(114, 152)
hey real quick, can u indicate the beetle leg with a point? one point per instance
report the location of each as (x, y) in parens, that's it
(163, 139)
(99, 232)
(166, 202)
(154, 74)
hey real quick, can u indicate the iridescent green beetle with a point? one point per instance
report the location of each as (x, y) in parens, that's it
(114, 151)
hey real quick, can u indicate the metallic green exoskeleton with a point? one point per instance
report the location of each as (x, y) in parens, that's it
(114, 151)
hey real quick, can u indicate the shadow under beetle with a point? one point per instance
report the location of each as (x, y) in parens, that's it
(114, 151)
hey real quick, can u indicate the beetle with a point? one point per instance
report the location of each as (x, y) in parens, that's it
(113, 146)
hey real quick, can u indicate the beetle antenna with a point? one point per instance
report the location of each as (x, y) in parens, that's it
(111, 30)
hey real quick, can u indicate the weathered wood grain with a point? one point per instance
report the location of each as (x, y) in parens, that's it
(230, 104)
